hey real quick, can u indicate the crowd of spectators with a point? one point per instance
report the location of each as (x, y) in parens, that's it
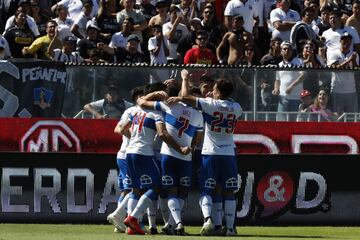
(312, 33)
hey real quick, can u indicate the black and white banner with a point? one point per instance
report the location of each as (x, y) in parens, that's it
(31, 88)
(274, 189)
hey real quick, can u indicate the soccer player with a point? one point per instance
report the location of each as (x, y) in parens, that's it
(184, 124)
(117, 217)
(142, 170)
(219, 161)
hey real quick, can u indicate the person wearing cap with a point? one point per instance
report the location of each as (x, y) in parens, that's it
(41, 44)
(288, 84)
(67, 53)
(4, 48)
(80, 22)
(304, 107)
(174, 31)
(19, 35)
(111, 106)
(343, 87)
(235, 40)
(282, 19)
(354, 19)
(25, 6)
(333, 34)
(91, 40)
(129, 54)
(140, 22)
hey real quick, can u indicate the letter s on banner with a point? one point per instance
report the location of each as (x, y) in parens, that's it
(257, 138)
(298, 140)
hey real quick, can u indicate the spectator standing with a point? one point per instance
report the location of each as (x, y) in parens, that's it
(210, 25)
(288, 84)
(79, 26)
(354, 19)
(332, 35)
(19, 35)
(324, 23)
(158, 47)
(343, 89)
(140, 22)
(119, 38)
(130, 54)
(39, 17)
(162, 17)
(85, 45)
(200, 54)
(174, 31)
(282, 19)
(106, 19)
(188, 11)
(74, 7)
(63, 21)
(41, 44)
(25, 7)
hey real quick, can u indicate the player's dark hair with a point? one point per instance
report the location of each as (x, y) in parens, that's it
(206, 79)
(195, 91)
(153, 87)
(137, 92)
(173, 91)
(225, 87)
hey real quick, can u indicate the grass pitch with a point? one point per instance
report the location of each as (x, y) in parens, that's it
(105, 232)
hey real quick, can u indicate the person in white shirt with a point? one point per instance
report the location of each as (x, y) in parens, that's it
(174, 31)
(79, 26)
(333, 34)
(288, 84)
(343, 87)
(247, 9)
(158, 46)
(63, 21)
(282, 19)
(24, 4)
(74, 7)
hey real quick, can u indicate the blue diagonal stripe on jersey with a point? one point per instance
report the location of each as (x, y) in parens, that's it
(209, 119)
(169, 119)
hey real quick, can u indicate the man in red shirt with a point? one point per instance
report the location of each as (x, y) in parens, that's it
(199, 54)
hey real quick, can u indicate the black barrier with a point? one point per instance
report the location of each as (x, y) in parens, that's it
(274, 189)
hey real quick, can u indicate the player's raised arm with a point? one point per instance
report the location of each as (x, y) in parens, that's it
(148, 101)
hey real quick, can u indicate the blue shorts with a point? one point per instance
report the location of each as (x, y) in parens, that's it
(218, 169)
(175, 172)
(142, 171)
(123, 180)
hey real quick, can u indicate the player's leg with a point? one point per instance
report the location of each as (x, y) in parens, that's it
(217, 210)
(229, 184)
(208, 178)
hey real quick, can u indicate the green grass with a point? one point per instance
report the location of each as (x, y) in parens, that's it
(105, 232)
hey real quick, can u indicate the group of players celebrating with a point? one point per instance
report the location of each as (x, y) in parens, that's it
(175, 122)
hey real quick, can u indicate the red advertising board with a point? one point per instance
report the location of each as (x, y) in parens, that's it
(88, 136)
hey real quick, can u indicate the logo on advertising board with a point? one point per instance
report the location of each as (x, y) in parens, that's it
(50, 136)
(278, 192)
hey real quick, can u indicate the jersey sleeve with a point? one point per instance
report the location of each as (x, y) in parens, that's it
(203, 104)
(160, 106)
(159, 118)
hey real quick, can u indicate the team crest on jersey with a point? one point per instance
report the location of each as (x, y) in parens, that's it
(185, 181)
(42, 97)
(127, 180)
(167, 180)
(145, 180)
(210, 183)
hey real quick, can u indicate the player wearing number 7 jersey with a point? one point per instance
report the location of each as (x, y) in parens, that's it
(185, 126)
(219, 161)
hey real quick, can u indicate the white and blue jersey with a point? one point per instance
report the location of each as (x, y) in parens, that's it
(220, 119)
(142, 170)
(143, 131)
(182, 123)
(219, 161)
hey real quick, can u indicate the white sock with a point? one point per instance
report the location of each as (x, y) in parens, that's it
(230, 208)
(206, 205)
(164, 209)
(131, 205)
(141, 206)
(151, 212)
(121, 210)
(175, 209)
(216, 213)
